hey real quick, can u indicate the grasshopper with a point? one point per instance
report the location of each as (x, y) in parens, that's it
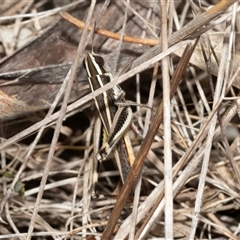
(110, 133)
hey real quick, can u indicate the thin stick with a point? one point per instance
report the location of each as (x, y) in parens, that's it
(167, 127)
(73, 71)
(108, 34)
(174, 83)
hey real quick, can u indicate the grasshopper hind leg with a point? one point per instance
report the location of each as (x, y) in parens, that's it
(125, 166)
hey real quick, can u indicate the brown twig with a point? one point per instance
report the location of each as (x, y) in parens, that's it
(174, 83)
(106, 33)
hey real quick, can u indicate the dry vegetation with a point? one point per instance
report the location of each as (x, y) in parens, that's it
(47, 120)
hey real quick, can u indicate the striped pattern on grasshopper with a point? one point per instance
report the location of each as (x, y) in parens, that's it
(110, 133)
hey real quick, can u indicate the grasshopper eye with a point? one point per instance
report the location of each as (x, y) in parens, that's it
(99, 60)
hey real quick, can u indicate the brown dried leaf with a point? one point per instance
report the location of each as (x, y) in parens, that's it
(10, 107)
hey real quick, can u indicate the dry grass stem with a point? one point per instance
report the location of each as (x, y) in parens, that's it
(178, 65)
